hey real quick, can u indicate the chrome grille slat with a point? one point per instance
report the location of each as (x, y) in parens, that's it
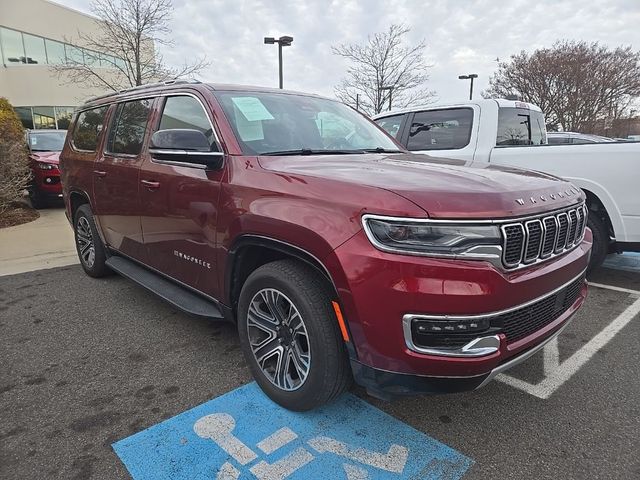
(527, 242)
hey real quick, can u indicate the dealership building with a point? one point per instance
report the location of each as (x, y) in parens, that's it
(34, 36)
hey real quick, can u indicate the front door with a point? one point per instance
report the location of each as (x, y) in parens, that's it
(116, 183)
(180, 203)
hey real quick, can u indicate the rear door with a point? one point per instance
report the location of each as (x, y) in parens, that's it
(116, 184)
(180, 201)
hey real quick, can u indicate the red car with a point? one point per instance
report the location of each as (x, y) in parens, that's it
(44, 155)
(336, 252)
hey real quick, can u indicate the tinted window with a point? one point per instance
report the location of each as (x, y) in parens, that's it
(520, 126)
(44, 117)
(391, 125)
(441, 129)
(88, 127)
(129, 126)
(186, 112)
(558, 140)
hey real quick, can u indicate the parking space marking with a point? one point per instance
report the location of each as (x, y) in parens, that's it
(243, 434)
(612, 287)
(556, 373)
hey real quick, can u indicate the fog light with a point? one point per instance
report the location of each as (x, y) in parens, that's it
(48, 180)
(451, 326)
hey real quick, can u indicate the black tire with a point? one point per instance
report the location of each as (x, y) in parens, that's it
(600, 248)
(84, 229)
(328, 373)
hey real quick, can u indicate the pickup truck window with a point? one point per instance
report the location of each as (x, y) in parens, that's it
(448, 129)
(270, 123)
(520, 126)
(391, 125)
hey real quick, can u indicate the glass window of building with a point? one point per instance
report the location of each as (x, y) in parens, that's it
(44, 117)
(34, 48)
(12, 46)
(91, 58)
(25, 116)
(63, 117)
(74, 54)
(55, 52)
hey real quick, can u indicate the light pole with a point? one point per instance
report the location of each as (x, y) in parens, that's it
(390, 92)
(282, 42)
(471, 76)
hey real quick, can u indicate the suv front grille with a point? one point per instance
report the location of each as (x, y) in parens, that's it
(540, 238)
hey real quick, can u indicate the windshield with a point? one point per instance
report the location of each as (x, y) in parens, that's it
(278, 123)
(47, 141)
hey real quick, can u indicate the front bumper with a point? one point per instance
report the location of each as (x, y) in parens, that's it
(378, 289)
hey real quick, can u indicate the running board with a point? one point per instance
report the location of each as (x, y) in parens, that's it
(178, 296)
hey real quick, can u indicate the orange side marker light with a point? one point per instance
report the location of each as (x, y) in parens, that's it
(343, 327)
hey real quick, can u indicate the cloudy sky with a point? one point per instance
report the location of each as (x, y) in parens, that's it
(462, 36)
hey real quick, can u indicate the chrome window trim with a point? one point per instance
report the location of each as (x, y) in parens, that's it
(408, 318)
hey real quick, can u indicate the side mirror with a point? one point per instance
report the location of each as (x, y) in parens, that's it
(184, 146)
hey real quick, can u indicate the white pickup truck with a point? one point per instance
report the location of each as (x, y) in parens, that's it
(513, 133)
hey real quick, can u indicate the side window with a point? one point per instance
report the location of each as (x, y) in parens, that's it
(87, 129)
(391, 125)
(128, 128)
(558, 140)
(520, 126)
(441, 129)
(186, 112)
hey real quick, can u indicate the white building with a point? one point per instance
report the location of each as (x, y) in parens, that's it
(35, 34)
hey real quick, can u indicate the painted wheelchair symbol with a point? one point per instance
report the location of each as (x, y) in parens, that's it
(219, 428)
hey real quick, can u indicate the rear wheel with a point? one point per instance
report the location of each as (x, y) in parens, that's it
(600, 247)
(290, 336)
(91, 251)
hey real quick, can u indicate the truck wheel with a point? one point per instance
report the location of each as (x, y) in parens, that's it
(290, 336)
(91, 251)
(600, 247)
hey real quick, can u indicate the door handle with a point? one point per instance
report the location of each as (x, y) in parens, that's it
(150, 184)
(100, 173)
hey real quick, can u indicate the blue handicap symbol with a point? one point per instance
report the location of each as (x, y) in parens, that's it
(244, 435)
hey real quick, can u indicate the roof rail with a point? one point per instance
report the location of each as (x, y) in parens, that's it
(143, 87)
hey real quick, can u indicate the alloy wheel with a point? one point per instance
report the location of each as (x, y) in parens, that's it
(279, 339)
(86, 248)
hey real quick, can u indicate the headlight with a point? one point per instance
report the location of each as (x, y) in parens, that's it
(46, 166)
(428, 237)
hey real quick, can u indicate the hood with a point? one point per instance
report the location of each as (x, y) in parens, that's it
(46, 157)
(444, 188)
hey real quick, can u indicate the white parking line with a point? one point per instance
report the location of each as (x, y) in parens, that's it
(612, 287)
(556, 373)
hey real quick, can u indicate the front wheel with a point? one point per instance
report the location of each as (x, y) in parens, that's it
(290, 336)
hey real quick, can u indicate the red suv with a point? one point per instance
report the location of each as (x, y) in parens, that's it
(44, 151)
(338, 254)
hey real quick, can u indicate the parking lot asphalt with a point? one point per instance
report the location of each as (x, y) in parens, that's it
(87, 362)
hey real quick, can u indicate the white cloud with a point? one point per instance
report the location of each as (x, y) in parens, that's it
(462, 37)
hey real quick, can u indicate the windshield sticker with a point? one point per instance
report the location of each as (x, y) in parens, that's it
(252, 108)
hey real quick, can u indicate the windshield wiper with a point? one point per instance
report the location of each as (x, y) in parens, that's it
(309, 151)
(381, 150)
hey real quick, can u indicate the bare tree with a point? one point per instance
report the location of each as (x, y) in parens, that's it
(578, 85)
(126, 35)
(384, 68)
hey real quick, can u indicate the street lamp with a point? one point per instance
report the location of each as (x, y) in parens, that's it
(282, 42)
(471, 76)
(390, 92)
